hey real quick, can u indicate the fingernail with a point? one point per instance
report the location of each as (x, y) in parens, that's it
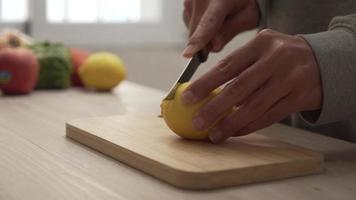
(224, 65)
(188, 51)
(217, 48)
(198, 123)
(217, 45)
(215, 135)
(188, 97)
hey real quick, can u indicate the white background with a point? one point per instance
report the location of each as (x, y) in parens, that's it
(169, 30)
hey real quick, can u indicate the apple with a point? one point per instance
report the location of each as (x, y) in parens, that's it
(18, 70)
(78, 57)
(179, 116)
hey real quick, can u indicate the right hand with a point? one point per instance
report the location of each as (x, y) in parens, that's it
(217, 22)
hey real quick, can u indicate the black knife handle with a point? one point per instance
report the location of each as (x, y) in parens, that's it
(203, 55)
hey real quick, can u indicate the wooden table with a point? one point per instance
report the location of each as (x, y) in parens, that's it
(38, 162)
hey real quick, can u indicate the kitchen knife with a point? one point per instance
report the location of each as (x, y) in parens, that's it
(188, 71)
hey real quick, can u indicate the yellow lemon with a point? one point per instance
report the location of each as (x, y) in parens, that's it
(102, 71)
(178, 116)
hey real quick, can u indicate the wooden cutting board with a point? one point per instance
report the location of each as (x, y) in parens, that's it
(145, 143)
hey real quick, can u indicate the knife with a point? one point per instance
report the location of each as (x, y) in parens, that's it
(193, 64)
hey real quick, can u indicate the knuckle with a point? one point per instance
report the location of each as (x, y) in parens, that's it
(265, 34)
(281, 45)
(209, 21)
(223, 67)
(195, 39)
(236, 88)
(282, 48)
(232, 89)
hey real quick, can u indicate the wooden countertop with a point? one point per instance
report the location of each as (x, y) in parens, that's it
(38, 162)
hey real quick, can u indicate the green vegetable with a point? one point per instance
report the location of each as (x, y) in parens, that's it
(55, 65)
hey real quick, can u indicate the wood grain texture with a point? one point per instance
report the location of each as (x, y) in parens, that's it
(146, 143)
(37, 161)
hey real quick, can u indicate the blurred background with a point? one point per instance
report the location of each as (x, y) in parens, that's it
(148, 35)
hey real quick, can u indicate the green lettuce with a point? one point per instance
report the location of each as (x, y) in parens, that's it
(55, 65)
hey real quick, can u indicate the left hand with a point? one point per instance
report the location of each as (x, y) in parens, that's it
(271, 77)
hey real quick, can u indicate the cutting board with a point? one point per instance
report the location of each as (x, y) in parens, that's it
(145, 143)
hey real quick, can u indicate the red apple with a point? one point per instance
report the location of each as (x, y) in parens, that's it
(78, 57)
(18, 70)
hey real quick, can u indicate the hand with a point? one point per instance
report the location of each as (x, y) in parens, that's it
(272, 76)
(217, 22)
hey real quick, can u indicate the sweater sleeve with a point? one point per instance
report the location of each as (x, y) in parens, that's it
(335, 52)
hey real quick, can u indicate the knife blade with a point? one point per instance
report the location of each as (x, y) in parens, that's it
(188, 71)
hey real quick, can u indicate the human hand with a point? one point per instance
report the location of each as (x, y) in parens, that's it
(272, 76)
(217, 22)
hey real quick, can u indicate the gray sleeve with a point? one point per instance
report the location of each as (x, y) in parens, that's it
(335, 52)
(263, 8)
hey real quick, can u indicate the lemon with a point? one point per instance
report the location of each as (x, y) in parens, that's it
(102, 71)
(179, 116)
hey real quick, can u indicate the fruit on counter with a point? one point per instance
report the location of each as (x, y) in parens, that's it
(102, 71)
(78, 56)
(18, 70)
(55, 65)
(178, 116)
(14, 38)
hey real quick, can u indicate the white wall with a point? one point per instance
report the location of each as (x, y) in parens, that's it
(170, 31)
(18, 26)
